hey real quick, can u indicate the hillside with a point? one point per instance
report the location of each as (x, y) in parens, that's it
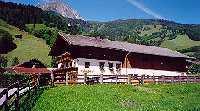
(46, 24)
(161, 33)
(29, 47)
(180, 42)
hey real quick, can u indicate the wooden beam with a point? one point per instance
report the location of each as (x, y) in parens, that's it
(67, 77)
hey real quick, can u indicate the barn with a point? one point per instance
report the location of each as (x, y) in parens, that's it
(102, 56)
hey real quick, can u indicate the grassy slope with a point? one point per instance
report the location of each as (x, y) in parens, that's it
(120, 97)
(181, 42)
(37, 26)
(152, 30)
(28, 48)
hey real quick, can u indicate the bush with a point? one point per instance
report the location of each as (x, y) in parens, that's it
(9, 78)
(194, 69)
(15, 61)
(3, 61)
(6, 42)
(44, 32)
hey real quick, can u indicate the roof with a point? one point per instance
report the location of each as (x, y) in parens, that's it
(23, 70)
(194, 62)
(80, 40)
(31, 63)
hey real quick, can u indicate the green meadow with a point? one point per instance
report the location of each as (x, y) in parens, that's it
(112, 97)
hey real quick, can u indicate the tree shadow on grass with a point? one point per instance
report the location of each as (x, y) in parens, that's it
(28, 101)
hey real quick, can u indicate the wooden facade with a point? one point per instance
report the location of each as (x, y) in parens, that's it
(145, 61)
(129, 59)
(133, 60)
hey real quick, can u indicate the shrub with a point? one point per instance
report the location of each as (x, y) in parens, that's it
(194, 69)
(6, 42)
(15, 61)
(3, 61)
(9, 78)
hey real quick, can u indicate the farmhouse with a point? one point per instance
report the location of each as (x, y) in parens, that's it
(102, 56)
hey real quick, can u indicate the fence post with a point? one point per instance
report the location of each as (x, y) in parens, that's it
(172, 79)
(38, 79)
(187, 79)
(52, 78)
(66, 78)
(142, 79)
(85, 78)
(135, 78)
(29, 92)
(163, 78)
(129, 78)
(5, 106)
(116, 79)
(17, 108)
(179, 79)
(195, 79)
(101, 78)
(154, 80)
(198, 79)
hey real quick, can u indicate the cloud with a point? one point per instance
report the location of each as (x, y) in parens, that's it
(145, 9)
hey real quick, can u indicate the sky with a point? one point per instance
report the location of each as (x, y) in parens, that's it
(181, 11)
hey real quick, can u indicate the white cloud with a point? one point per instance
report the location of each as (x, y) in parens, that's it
(145, 9)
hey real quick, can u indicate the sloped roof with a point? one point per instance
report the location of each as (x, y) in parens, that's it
(80, 40)
(23, 70)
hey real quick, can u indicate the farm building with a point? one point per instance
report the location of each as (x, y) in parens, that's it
(102, 56)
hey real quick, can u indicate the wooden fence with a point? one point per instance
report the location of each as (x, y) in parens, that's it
(10, 97)
(129, 79)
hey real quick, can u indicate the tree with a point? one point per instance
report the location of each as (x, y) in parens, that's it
(53, 62)
(6, 42)
(194, 69)
(15, 61)
(3, 61)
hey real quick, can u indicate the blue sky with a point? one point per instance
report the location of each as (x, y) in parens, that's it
(181, 11)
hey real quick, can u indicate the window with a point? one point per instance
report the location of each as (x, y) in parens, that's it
(118, 66)
(110, 65)
(70, 64)
(101, 65)
(87, 64)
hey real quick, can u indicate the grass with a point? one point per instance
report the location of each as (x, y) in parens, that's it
(152, 30)
(181, 42)
(37, 26)
(111, 97)
(29, 47)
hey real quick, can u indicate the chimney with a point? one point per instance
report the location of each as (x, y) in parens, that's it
(99, 38)
(33, 66)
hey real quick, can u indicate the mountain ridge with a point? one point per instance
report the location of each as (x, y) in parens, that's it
(62, 8)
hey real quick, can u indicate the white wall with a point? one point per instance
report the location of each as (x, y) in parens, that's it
(151, 72)
(94, 66)
(95, 70)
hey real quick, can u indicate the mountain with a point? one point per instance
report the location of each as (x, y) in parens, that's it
(61, 8)
(20, 14)
(168, 34)
(181, 37)
(145, 31)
